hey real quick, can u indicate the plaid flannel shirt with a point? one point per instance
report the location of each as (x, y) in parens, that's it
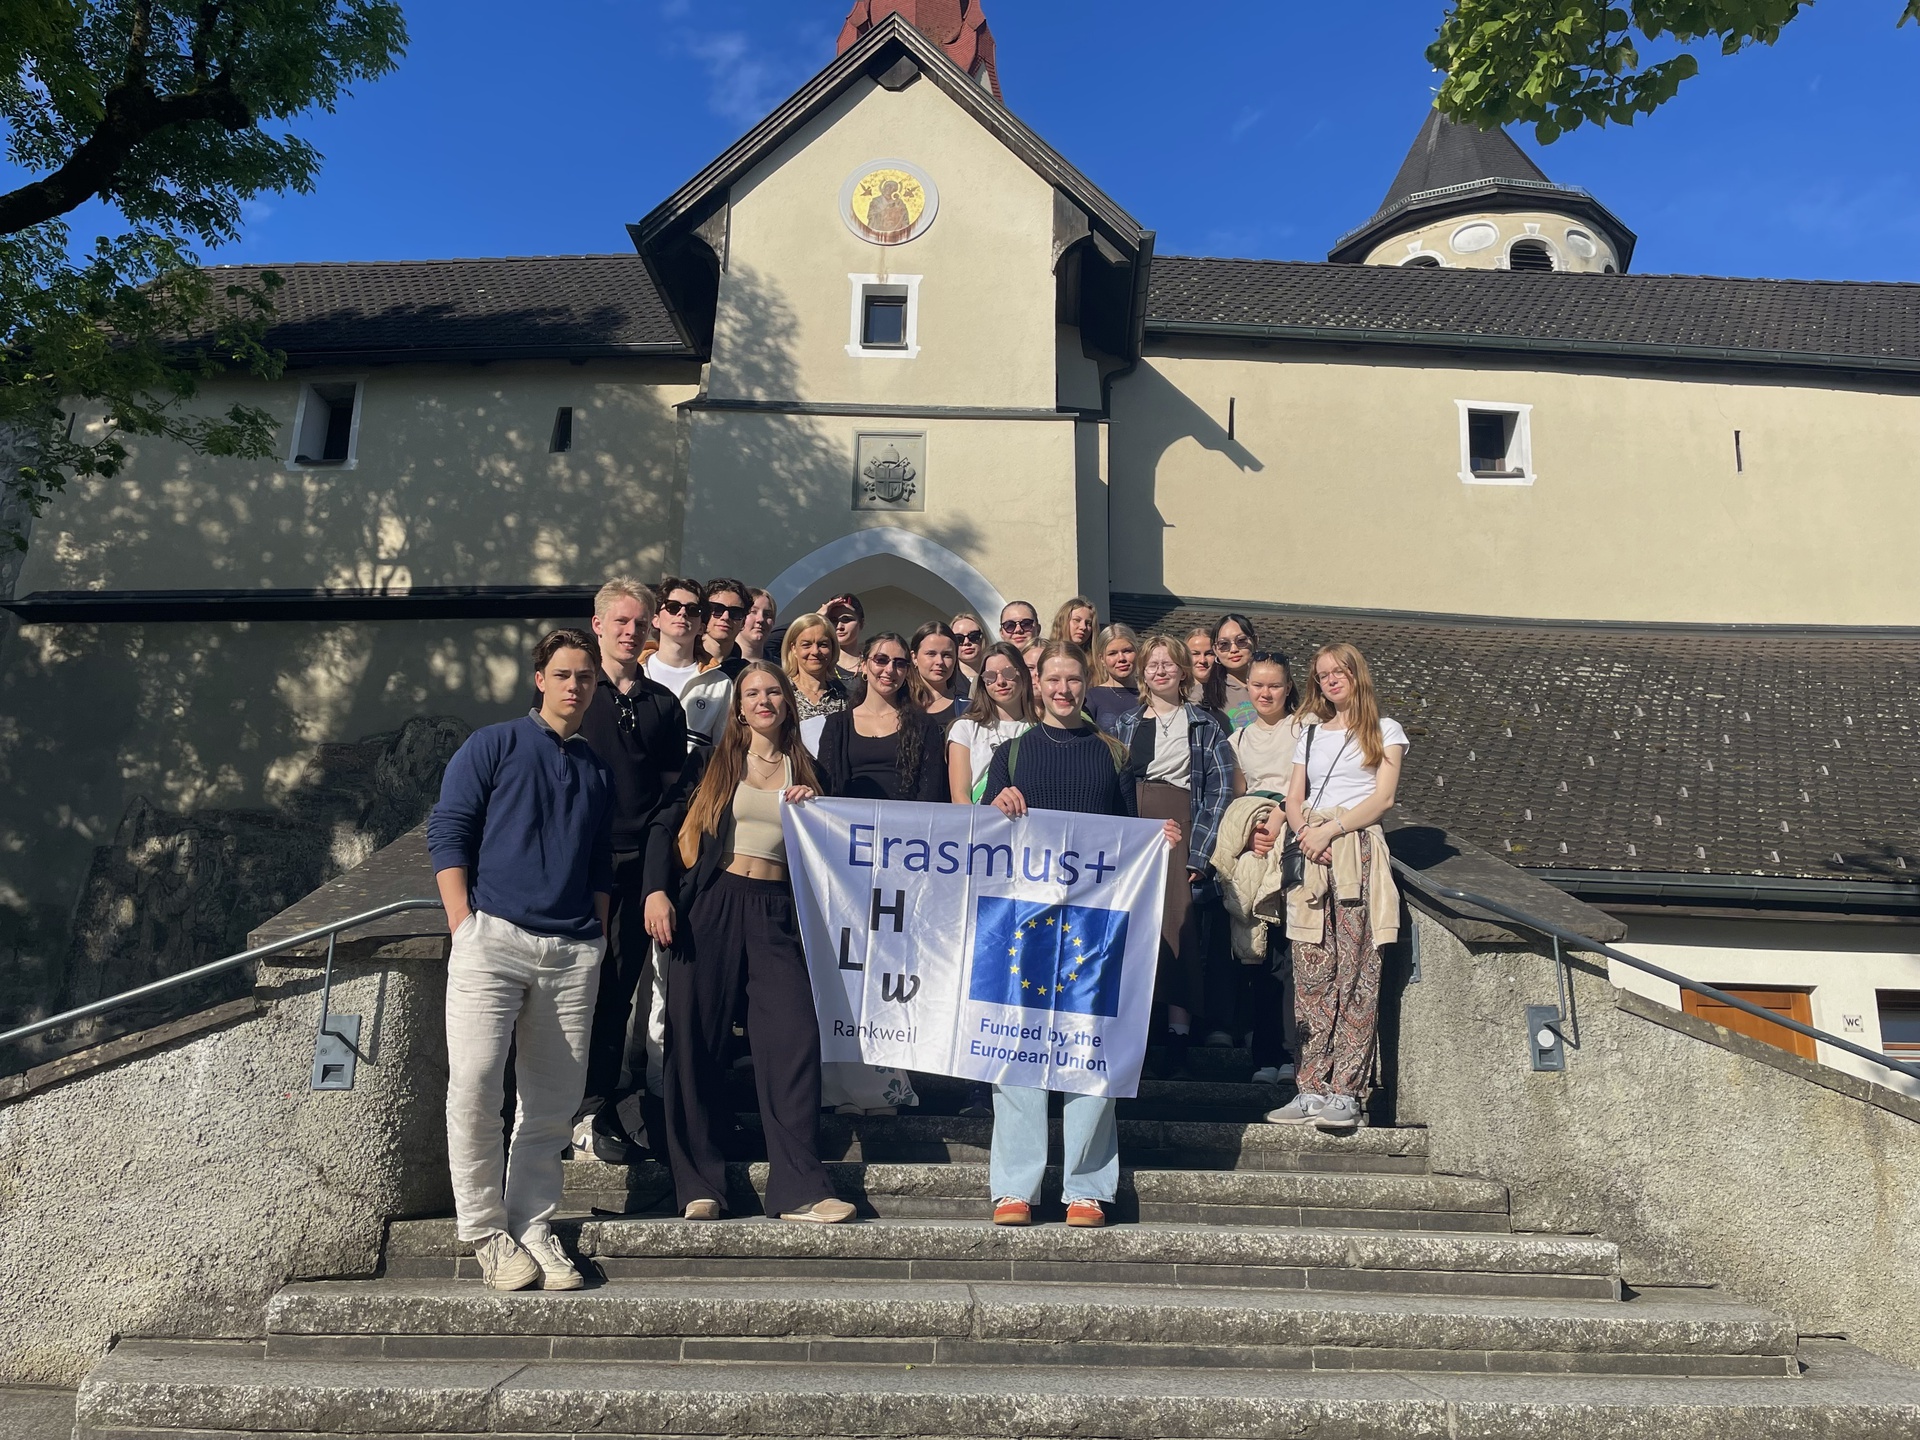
(1210, 757)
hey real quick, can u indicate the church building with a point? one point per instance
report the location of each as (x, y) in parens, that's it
(1632, 555)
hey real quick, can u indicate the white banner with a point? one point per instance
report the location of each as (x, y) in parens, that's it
(952, 940)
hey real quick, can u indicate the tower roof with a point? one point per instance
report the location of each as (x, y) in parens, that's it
(1453, 169)
(957, 26)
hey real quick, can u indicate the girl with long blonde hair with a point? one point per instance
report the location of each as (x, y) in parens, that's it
(739, 936)
(1345, 774)
(1076, 621)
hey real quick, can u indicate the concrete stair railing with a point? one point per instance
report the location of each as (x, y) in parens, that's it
(1278, 1282)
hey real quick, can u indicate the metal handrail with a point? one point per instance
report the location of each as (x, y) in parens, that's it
(215, 967)
(1425, 883)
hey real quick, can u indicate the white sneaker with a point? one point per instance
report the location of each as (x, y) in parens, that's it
(556, 1270)
(1338, 1112)
(1267, 1075)
(1300, 1110)
(504, 1265)
(583, 1139)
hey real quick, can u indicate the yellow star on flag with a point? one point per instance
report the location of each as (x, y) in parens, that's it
(1026, 984)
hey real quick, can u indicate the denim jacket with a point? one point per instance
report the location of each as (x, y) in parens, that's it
(1210, 756)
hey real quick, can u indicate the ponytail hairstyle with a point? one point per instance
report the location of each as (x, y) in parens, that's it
(1103, 642)
(1026, 705)
(906, 769)
(1065, 613)
(713, 799)
(1365, 720)
(1213, 689)
(923, 693)
(1067, 650)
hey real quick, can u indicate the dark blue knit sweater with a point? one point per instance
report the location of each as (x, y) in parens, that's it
(1064, 770)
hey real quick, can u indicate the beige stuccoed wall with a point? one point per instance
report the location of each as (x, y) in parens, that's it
(1436, 239)
(986, 322)
(452, 485)
(1637, 513)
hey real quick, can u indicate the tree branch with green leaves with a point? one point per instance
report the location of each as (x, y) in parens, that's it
(174, 113)
(1558, 64)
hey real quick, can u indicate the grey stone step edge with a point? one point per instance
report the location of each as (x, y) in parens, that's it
(1014, 1323)
(1398, 1262)
(148, 1390)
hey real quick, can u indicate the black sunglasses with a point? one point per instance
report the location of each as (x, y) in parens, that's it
(692, 609)
(1013, 625)
(884, 663)
(968, 637)
(1271, 657)
(735, 613)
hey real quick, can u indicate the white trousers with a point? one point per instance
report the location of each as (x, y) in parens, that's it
(509, 987)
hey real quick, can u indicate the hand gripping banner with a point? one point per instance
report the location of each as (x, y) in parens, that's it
(951, 940)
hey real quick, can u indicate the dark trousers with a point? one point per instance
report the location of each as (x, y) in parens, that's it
(1268, 1001)
(742, 938)
(617, 1050)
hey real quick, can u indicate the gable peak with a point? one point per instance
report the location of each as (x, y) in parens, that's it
(956, 26)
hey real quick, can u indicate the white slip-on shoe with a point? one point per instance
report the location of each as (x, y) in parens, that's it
(1298, 1111)
(1267, 1075)
(557, 1272)
(504, 1264)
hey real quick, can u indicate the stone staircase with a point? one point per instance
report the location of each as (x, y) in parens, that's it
(1269, 1282)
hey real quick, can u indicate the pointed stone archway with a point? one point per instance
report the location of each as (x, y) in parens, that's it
(886, 558)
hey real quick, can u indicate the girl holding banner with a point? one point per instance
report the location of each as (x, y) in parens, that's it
(738, 933)
(1002, 708)
(1063, 763)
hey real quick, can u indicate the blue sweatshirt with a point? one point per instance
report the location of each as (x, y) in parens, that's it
(529, 817)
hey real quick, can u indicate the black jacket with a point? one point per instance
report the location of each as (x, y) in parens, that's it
(649, 764)
(836, 769)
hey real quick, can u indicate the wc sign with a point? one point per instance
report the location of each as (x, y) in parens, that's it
(951, 940)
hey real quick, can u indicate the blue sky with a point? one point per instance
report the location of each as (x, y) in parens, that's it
(1253, 128)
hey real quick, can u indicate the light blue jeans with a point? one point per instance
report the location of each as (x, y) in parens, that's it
(1019, 1157)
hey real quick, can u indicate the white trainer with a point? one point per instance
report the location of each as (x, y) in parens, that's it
(1338, 1112)
(504, 1265)
(1301, 1110)
(557, 1272)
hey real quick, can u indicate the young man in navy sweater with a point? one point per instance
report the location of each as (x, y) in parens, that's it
(523, 854)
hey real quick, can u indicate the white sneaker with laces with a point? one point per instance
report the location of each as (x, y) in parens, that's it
(557, 1272)
(1300, 1110)
(1338, 1112)
(504, 1265)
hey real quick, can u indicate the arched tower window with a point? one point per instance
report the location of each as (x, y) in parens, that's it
(1530, 255)
(1421, 262)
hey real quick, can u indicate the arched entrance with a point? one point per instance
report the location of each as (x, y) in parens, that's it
(902, 578)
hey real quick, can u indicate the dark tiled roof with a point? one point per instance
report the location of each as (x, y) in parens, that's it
(1446, 153)
(534, 306)
(1725, 752)
(1817, 322)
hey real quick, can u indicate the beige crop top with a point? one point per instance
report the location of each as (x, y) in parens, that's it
(756, 822)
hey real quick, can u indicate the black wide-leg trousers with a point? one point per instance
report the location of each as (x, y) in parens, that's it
(742, 937)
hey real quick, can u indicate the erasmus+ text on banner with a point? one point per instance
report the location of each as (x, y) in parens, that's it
(952, 940)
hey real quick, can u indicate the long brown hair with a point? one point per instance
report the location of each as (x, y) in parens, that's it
(1365, 721)
(906, 768)
(923, 693)
(713, 800)
(1065, 613)
(983, 710)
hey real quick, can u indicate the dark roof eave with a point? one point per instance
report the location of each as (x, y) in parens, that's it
(670, 349)
(1776, 892)
(1451, 340)
(1352, 247)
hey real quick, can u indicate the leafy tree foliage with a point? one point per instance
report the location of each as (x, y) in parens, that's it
(173, 112)
(1560, 63)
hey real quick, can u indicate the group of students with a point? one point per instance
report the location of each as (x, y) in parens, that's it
(615, 877)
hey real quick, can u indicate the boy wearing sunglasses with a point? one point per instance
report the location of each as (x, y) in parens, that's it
(677, 660)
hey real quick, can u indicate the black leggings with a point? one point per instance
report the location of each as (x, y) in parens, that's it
(741, 937)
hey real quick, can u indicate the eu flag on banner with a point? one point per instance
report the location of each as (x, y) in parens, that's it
(1048, 957)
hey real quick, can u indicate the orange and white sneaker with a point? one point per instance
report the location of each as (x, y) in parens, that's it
(1009, 1211)
(1086, 1214)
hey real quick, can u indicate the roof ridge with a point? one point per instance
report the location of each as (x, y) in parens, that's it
(437, 260)
(1507, 276)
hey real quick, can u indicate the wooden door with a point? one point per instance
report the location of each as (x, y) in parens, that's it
(1794, 1004)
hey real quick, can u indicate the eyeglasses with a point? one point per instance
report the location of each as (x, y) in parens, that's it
(735, 613)
(969, 637)
(1019, 627)
(882, 662)
(1232, 642)
(1001, 677)
(692, 609)
(1162, 667)
(1325, 675)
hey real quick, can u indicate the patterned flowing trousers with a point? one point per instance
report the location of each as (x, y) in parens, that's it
(1337, 995)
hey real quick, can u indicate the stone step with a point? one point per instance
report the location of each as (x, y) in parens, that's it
(145, 1390)
(959, 1190)
(916, 1138)
(1340, 1261)
(1201, 1098)
(893, 1322)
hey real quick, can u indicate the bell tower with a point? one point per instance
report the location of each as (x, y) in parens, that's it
(957, 26)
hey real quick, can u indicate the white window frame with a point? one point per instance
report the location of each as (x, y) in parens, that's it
(1519, 450)
(307, 385)
(861, 284)
(1553, 250)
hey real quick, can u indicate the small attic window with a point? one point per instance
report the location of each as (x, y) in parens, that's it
(561, 440)
(886, 317)
(326, 428)
(1530, 255)
(1421, 262)
(1496, 443)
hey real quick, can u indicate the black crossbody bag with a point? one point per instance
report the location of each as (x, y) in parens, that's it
(1293, 860)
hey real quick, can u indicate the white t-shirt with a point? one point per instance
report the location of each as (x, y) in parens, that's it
(1336, 773)
(1172, 762)
(981, 741)
(674, 677)
(1265, 753)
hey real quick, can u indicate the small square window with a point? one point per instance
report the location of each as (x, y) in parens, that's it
(1900, 1022)
(1496, 444)
(561, 440)
(883, 326)
(327, 426)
